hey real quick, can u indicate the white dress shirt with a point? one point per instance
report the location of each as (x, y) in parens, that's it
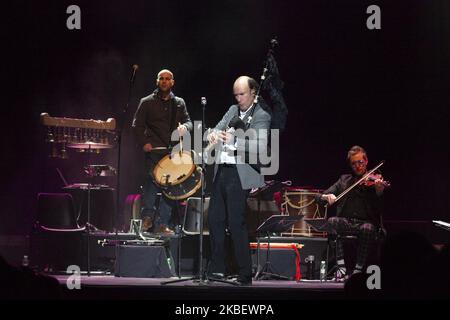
(227, 154)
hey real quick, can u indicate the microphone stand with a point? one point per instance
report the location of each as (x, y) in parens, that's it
(120, 126)
(202, 279)
(201, 274)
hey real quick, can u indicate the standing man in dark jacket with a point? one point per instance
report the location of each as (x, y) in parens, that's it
(156, 117)
(358, 212)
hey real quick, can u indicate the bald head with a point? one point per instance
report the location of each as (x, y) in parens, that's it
(165, 71)
(165, 81)
(244, 90)
(242, 80)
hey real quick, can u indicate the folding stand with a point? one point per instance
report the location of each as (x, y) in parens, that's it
(274, 224)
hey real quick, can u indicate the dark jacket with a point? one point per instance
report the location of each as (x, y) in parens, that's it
(153, 122)
(372, 201)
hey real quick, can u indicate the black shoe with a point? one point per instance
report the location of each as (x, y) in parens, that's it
(340, 275)
(147, 223)
(164, 230)
(216, 276)
(243, 281)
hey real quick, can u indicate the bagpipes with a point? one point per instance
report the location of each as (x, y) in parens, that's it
(273, 85)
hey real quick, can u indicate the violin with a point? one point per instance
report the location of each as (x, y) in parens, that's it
(371, 178)
(364, 178)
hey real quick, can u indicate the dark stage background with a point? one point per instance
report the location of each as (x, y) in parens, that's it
(386, 90)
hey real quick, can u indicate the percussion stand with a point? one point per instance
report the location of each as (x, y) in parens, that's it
(88, 222)
(91, 174)
(120, 125)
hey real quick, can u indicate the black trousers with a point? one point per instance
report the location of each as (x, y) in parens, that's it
(365, 232)
(227, 210)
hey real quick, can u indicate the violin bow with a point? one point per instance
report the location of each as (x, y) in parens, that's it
(357, 182)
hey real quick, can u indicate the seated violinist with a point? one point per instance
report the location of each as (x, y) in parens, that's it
(358, 212)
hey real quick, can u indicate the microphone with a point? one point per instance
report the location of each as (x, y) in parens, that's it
(203, 101)
(133, 75)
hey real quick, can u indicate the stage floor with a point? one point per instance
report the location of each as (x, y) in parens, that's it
(108, 286)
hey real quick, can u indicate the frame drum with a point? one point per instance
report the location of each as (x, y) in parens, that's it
(177, 175)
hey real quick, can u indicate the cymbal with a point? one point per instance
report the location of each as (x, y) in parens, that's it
(89, 145)
(85, 186)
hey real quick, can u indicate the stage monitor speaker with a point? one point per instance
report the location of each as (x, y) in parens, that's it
(189, 259)
(144, 262)
(283, 261)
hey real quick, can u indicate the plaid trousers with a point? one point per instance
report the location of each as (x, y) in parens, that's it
(364, 231)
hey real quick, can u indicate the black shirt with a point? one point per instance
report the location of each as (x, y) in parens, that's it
(361, 203)
(356, 204)
(154, 121)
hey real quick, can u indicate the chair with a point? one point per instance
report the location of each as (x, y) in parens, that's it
(350, 236)
(56, 239)
(56, 212)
